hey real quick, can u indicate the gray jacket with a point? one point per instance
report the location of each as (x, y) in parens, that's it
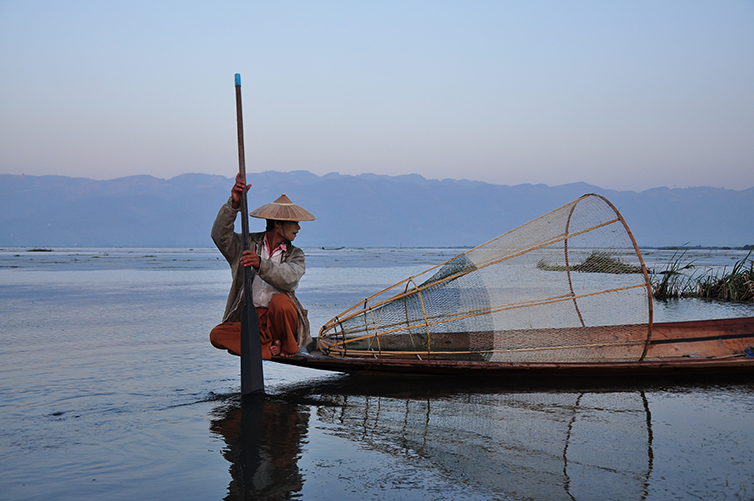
(284, 276)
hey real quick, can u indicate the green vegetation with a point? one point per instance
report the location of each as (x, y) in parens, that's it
(596, 262)
(544, 265)
(680, 278)
(736, 285)
(674, 282)
(602, 262)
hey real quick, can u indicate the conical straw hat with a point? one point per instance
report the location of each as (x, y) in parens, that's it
(282, 209)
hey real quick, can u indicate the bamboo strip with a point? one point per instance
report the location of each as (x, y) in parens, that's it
(496, 351)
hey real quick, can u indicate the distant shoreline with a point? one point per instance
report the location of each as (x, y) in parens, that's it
(700, 247)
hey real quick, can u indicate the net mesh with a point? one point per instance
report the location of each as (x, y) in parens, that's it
(570, 286)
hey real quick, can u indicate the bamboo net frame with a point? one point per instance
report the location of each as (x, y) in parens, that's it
(569, 286)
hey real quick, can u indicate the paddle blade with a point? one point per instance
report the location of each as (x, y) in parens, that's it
(252, 377)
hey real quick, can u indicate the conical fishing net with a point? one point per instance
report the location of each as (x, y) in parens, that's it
(569, 286)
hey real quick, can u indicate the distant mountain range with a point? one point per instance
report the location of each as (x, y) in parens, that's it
(352, 211)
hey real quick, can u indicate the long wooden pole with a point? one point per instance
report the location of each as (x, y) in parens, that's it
(252, 378)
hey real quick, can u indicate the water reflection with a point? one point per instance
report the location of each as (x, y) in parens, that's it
(519, 442)
(522, 444)
(263, 440)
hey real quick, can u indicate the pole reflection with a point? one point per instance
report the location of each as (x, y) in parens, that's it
(263, 440)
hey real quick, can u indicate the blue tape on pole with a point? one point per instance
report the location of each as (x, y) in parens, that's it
(238, 79)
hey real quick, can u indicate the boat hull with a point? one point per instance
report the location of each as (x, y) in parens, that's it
(695, 347)
(454, 368)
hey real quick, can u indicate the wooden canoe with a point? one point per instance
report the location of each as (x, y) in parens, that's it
(692, 347)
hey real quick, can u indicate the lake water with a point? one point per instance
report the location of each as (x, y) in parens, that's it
(109, 389)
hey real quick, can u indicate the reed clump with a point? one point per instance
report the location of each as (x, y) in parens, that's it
(546, 266)
(596, 262)
(673, 283)
(734, 285)
(738, 285)
(603, 262)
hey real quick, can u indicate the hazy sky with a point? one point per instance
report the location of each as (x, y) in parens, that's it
(625, 95)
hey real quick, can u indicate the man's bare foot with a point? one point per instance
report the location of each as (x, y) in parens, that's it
(275, 347)
(287, 355)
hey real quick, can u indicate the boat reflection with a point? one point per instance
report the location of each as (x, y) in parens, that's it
(521, 443)
(517, 442)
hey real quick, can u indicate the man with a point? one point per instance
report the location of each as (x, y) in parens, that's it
(277, 266)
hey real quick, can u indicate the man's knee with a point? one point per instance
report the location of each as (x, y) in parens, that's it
(215, 335)
(225, 335)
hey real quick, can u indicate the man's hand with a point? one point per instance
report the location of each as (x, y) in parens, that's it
(249, 258)
(237, 191)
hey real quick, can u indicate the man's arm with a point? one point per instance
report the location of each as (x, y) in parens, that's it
(223, 233)
(284, 276)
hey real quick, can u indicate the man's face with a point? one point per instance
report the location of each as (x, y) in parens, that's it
(288, 229)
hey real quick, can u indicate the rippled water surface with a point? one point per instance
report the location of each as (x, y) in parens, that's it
(109, 389)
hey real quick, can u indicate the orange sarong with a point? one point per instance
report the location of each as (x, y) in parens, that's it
(279, 321)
